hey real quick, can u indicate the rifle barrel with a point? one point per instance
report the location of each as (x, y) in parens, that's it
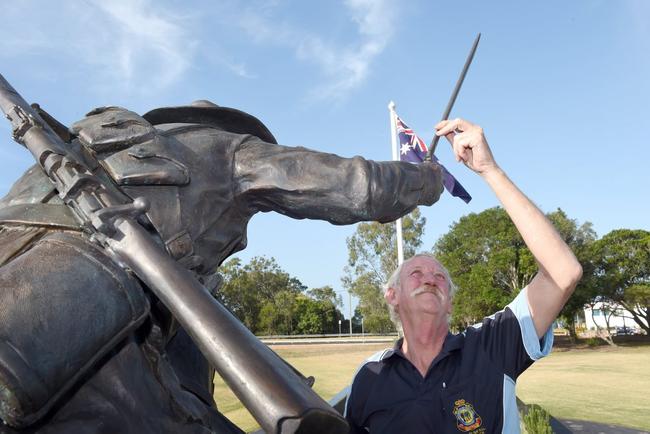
(454, 94)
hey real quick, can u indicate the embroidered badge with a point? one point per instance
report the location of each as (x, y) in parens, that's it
(466, 417)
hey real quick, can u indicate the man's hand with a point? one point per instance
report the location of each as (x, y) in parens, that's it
(469, 144)
(559, 270)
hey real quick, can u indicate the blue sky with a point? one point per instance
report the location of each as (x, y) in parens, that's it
(560, 88)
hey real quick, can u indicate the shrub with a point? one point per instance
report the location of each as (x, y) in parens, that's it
(537, 420)
(593, 342)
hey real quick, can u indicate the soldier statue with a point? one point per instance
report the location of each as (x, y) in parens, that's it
(85, 346)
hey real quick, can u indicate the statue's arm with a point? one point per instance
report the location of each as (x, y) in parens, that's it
(302, 183)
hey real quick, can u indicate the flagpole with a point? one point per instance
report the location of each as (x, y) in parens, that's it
(394, 146)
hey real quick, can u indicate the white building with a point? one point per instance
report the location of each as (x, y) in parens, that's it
(604, 312)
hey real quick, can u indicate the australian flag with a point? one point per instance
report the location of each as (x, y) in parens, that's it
(414, 150)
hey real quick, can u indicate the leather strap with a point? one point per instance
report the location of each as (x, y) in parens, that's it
(40, 214)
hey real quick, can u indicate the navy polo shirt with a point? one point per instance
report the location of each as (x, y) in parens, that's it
(469, 387)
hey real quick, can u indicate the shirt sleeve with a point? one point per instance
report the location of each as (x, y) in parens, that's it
(302, 183)
(510, 339)
(535, 348)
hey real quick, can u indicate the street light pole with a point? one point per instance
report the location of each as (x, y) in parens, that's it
(339, 328)
(350, 309)
(362, 331)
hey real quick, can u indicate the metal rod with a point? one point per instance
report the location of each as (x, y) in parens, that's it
(454, 94)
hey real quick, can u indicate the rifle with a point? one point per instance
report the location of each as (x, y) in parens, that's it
(276, 397)
(454, 94)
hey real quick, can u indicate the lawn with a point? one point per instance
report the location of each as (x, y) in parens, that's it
(332, 365)
(609, 385)
(602, 384)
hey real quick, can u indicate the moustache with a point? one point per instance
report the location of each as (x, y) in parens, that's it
(433, 289)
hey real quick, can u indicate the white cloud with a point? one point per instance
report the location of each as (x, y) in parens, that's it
(237, 68)
(139, 43)
(129, 45)
(265, 29)
(137, 47)
(345, 67)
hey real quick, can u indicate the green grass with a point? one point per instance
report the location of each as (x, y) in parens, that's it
(608, 385)
(332, 365)
(602, 384)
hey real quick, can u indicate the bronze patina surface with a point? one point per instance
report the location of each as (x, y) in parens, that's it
(108, 324)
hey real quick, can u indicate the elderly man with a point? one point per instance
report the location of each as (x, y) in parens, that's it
(434, 381)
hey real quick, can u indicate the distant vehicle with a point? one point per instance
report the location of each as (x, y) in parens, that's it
(626, 331)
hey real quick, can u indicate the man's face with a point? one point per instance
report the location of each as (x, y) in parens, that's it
(423, 289)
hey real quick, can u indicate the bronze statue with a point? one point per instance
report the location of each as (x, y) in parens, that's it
(103, 244)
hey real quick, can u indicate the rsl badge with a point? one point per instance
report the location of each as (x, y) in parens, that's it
(466, 417)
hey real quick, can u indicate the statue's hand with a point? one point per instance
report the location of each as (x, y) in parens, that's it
(469, 144)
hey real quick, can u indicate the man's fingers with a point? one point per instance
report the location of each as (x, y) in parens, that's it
(459, 142)
(447, 126)
(441, 124)
(450, 138)
(460, 146)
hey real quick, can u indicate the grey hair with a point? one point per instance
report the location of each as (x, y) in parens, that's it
(394, 282)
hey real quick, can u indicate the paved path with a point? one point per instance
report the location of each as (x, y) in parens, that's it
(566, 426)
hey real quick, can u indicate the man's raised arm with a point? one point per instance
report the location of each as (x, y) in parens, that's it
(559, 270)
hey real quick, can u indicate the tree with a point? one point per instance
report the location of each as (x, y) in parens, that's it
(326, 294)
(269, 301)
(581, 239)
(243, 304)
(490, 263)
(260, 294)
(356, 320)
(277, 315)
(296, 313)
(308, 316)
(372, 257)
(622, 272)
(605, 309)
(316, 316)
(327, 303)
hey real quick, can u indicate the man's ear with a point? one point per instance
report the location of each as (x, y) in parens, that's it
(391, 296)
